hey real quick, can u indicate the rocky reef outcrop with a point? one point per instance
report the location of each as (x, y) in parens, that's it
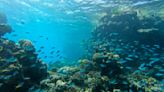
(136, 38)
(103, 73)
(131, 26)
(20, 70)
(4, 27)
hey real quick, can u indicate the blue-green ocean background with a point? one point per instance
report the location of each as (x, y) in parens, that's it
(63, 24)
(49, 23)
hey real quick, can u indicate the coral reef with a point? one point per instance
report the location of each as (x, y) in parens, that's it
(20, 69)
(114, 62)
(138, 41)
(129, 25)
(104, 75)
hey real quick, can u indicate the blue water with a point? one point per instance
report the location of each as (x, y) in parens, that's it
(48, 23)
(62, 24)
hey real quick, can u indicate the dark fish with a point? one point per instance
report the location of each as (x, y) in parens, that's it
(41, 36)
(53, 48)
(51, 62)
(47, 38)
(14, 35)
(27, 32)
(60, 57)
(52, 52)
(57, 55)
(34, 41)
(57, 51)
(22, 22)
(42, 47)
(45, 56)
(39, 50)
(42, 53)
(15, 73)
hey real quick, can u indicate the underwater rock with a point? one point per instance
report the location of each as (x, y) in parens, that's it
(128, 26)
(27, 45)
(67, 70)
(3, 19)
(4, 28)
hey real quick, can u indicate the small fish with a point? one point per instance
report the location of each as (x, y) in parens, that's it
(42, 47)
(1, 84)
(19, 85)
(46, 38)
(51, 62)
(27, 78)
(42, 53)
(22, 22)
(33, 65)
(57, 51)
(136, 56)
(5, 70)
(162, 70)
(57, 55)
(31, 88)
(34, 41)
(130, 56)
(60, 57)
(129, 68)
(41, 36)
(39, 50)
(7, 77)
(45, 56)
(102, 65)
(141, 66)
(15, 73)
(27, 32)
(157, 46)
(52, 52)
(122, 61)
(159, 74)
(53, 48)
(129, 59)
(14, 35)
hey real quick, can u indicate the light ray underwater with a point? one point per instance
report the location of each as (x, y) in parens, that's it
(81, 46)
